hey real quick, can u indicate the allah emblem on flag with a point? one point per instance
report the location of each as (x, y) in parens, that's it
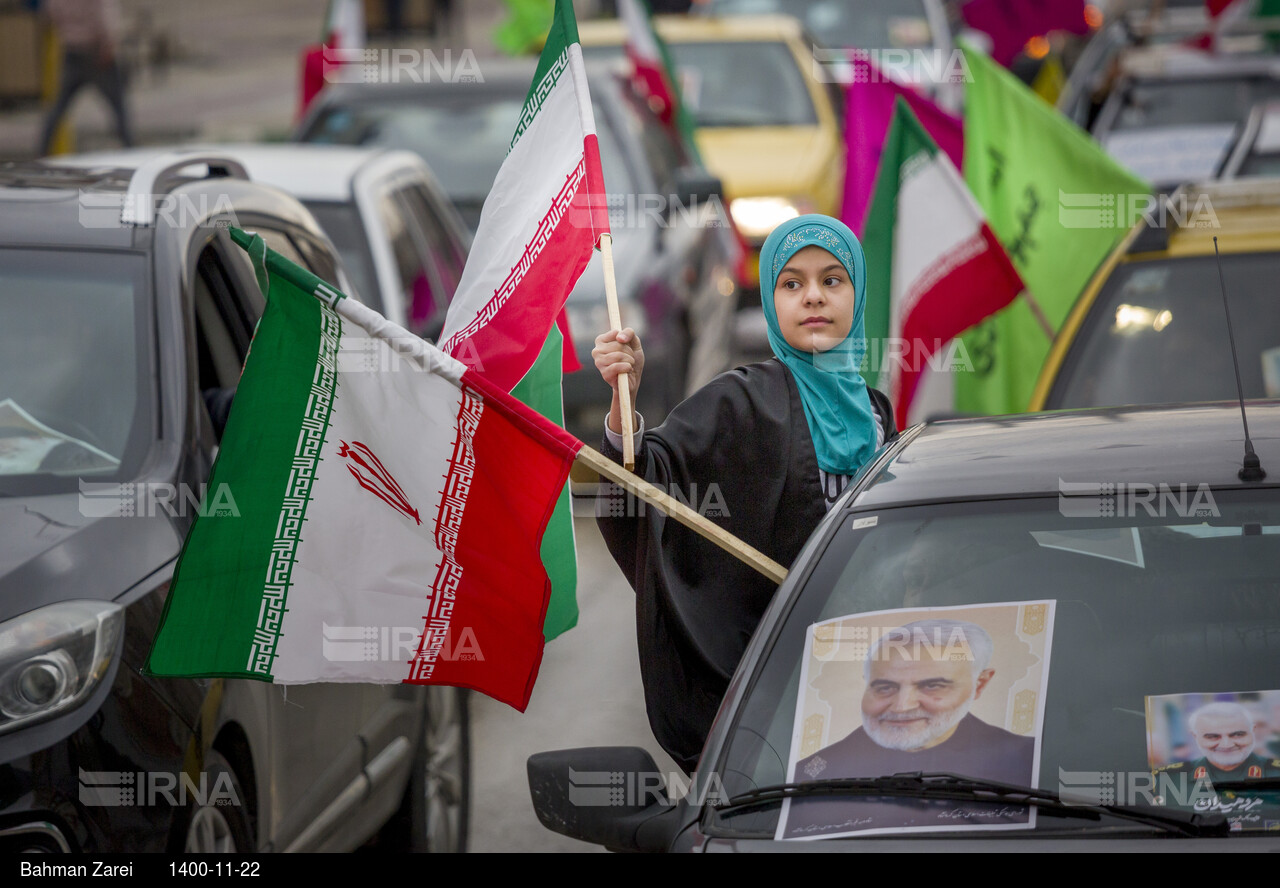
(374, 477)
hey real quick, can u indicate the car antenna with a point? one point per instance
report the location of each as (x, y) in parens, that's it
(1252, 469)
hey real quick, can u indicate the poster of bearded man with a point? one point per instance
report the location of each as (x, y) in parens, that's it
(956, 690)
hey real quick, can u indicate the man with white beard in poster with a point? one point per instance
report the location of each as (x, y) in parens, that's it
(1224, 735)
(922, 680)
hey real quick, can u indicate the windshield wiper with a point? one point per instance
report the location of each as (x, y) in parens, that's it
(969, 789)
(1259, 784)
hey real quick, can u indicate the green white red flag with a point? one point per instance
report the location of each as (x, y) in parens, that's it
(654, 71)
(544, 215)
(383, 491)
(934, 267)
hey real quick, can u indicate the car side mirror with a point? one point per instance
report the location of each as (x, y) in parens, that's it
(695, 185)
(613, 796)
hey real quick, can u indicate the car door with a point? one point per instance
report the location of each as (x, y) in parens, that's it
(313, 733)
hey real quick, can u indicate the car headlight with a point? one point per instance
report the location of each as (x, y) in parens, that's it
(757, 216)
(52, 658)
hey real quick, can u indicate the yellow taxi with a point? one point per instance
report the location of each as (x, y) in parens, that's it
(1151, 327)
(766, 125)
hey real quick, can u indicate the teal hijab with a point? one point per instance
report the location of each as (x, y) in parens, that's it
(841, 420)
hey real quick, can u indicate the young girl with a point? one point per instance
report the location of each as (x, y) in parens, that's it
(764, 450)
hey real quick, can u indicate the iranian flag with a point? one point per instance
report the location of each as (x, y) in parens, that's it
(934, 267)
(544, 215)
(654, 72)
(390, 506)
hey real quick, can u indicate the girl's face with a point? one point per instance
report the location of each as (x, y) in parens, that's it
(814, 301)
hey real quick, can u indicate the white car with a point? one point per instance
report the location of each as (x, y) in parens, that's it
(401, 242)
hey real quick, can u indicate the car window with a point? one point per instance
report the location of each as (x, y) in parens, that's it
(744, 84)
(420, 287)
(1185, 102)
(446, 253)
(225, 321)
(75, 357)
(301, 249)
(341, 222)
(1168, 593)
(1157, 334)
(463, 136)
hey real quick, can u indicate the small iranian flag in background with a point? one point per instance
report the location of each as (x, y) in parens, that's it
(543, 217)
(934, 267)
(654, 71)
(383, 489)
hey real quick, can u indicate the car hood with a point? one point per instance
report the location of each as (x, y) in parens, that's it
(764, 161)
(50, 552)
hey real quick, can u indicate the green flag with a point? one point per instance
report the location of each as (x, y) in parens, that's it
(1056, 201)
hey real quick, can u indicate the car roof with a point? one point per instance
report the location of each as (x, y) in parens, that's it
(307, 171)
(1001, 457)
(1245, 217)
(40, 206)
(500, 75)
(1159, 63)
(690, 29)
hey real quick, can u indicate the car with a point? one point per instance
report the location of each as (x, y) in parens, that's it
(765, 124)
(676, 258)
(128, 313)
(902, 35)
(1093, 71)
(1124, 575)
(1174, 114)
(1150, 327)
(399, 238)
(1257, 152)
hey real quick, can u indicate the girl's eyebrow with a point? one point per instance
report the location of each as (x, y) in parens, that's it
(833, 267)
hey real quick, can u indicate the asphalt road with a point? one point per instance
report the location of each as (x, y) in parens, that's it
(588, 694)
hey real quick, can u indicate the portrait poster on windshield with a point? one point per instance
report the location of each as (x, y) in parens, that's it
(957, 690)
(1205, 749)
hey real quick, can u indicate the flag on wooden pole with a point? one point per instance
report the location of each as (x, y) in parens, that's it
(390, 511)
(543, 217)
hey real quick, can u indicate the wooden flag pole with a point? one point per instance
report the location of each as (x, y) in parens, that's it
(615, 323)
(652, 495)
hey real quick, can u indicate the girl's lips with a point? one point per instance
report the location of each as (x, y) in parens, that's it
(814, 322)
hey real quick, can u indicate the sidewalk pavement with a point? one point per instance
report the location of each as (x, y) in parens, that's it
(233, 74)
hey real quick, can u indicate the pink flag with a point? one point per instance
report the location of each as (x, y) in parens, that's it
(869, 113)
(1011, 23)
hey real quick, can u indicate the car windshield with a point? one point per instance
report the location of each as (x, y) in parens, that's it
(1113, 614)
(866, 24)
(1157, 334)
(743, 84)
(73, 365)
(463, 137)
(1186, 102)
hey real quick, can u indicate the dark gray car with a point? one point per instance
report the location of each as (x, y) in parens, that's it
(1124, 541)
(127, 314)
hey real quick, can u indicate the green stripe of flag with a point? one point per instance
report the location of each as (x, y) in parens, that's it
(540, 389)
(255, 463)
